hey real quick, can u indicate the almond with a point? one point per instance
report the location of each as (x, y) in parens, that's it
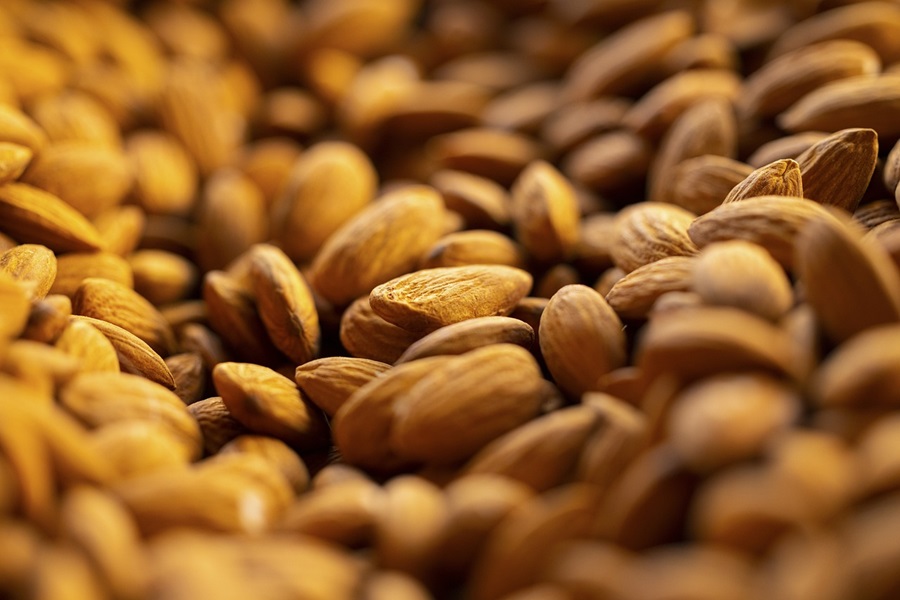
(76, 116)
(217, 425)
(648, 231)
(364, 334)
(480, 201)
(343, 513)
(466, 402)
(162, 277)
(31, 265)
(17, 128)
(346, 267)
(48, 318)
(13, 160)
(32, 215)
(610, 161)
(581, 338)
(426, 300)
(189, 374)
(231, 219)
(780, 178)
(789, 146)
(493, 153)
(165, 177)
(469, 335)
(329, 382)
(700, 184)
(619, 434)
(633, 295)
(279, 454)
(95, 352)
(474, 247)
(73, 268)
(856, 150)
(268, 403)
(545, 212)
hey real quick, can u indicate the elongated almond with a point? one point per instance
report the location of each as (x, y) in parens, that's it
(135, 356)
(609, 161)
(269, 403)
(76, 116)
(892, 168)
(116, 304)
(853, 102)
(217, 425)
(32, 215)
(468, 335)
(701, 341)
(17, 128)
(700, 184)
(48, 318)
(493, 153)
(856, 150)
(784, 80)
(357, 257)
(861, 372)
(466, 402)
(648, 231)
(343, 513)
(620, 433)
(545, 212)
(780, 178)
(428, 299)
(743, 275)
(13, 160)
(772, 222)
(285, 303)
(581, 338)
(850, 282)
(474, 247)
(633, 296)
(165, 177)
(162, 277)
(73, 268)
(789, 146)
(628, 59)
(480, 201)
(232, 217)
(96, 353)
(707, 127)
(655, 112)
(329, 382)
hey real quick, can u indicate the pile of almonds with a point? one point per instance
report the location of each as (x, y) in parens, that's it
(475, 299)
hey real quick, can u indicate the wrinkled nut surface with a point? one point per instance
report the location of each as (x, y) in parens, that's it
(424, 299)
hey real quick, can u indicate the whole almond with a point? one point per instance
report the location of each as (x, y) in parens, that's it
(743, 275)
(493, 153)
(466, 402)
(619, 434)
(217, 425)
(700, 184)
(73, 268)
(545, 212)
(648, 231)
(345, 267)
(116, 304)
(232, 217)
(48, 318)
(832, 260)
(480, 201)
(279, 454)
(77, 116)
(269, 403)
(857, 150)
(364, 334)
(329, 382)
(577, 122)
(342, 513)
(165, 177)
(633, 295)
(581, 338)
(121, 228)
(162, 277)
(95, 352)
(468, 335)
(789, 146)
(328, 185)
(474, 247)
(780, 178)
(189, 374)
(17, 128)
(13, 160)
(431, 298)
(32, 215)
(610, 161)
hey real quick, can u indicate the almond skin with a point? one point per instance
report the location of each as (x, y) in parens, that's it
(32, 215)
(780, 178)
(648, 231)
(432, 298)
(545, 212)
(33, 266)
(329, 382)
(581, 338)
(471, 334)
(856, 151)
(633, 296)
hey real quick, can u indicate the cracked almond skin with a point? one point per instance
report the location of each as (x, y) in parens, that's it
(270, 404)
(432, 298)
(581, 338)
(780, 178)
(383, 241)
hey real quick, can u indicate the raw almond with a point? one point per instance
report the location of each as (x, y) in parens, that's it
(329, 382)
(468, 335)
(32, 215)
(856, 150)
(33, 266)
(364, 334)
(95, 352)
(189, 374)
(269, 403)
(610, 161)
(73, 268)
(17, 128)
(545, 212)
(76, 116)
(789, 146)
(431, 298)
(232, 217)
(700, 184)
(493, 153)
(480, 201)
(343, 513)
(279, 454)
(474, 247)
(217, 425)
(581, 338)
(356, 258)
(162, 277)
(780, 178)
(16, 306)
(48, 318)
(165, 177)
(633, 296)
(648, 231)
(13, 160)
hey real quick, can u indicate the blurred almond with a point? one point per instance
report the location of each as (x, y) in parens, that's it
(480, 201)
(32, 215)
(13, 160)
(77, 117)
(700, 184)
(82, 341)
(75, 267)
(545, 212)
(231, 218)
(474, 247)
(165, 177)
(162, 277)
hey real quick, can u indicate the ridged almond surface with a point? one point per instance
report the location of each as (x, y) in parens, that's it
(119, 305)
(784, 80)
(431, 298)
(466, 402)
(32, 215)
(329, 382)
(648, 231)
(33, 266)
(285, 303)
(89, 178)
(869, 102)
(780, 178)
(633, 296)
(581, 338)
(742, 275)
(135, 356)
(468, 335)
(328, 185)
(384, 241)
(849, 281)
(772, 222)
(545, 212)
(837, 170)
(268, 403)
